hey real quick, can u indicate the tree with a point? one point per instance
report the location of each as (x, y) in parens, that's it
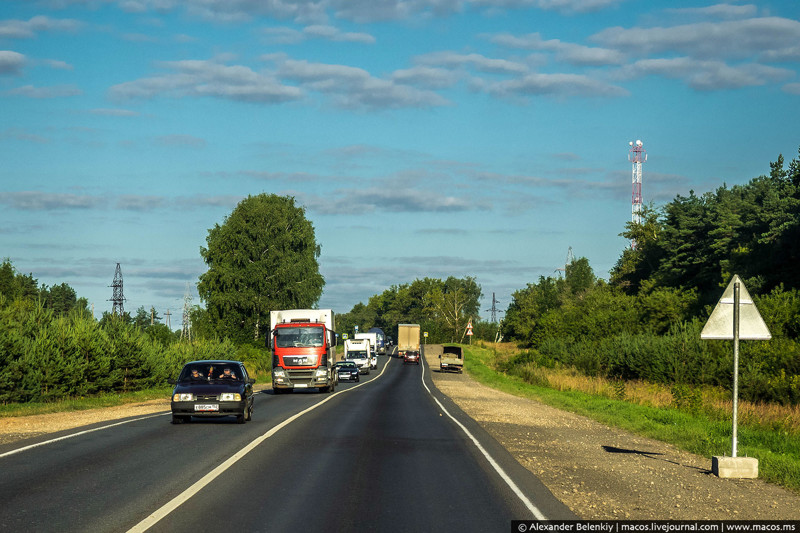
(453, 304)
(263, 257)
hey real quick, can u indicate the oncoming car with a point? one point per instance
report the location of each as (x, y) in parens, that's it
(347, 370)
(212, 389)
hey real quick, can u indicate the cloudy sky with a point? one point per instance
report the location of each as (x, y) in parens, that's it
(424, 137)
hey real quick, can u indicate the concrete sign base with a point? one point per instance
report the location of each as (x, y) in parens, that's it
(735, 467)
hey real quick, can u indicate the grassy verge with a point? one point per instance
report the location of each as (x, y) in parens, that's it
(82, 404)
(700, 432)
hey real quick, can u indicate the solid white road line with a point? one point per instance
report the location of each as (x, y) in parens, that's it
(176, 502)
(18, 450)
(513, 486)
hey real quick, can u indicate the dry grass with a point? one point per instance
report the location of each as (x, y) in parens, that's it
(714, 401)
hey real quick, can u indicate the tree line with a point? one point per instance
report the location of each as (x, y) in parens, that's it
(442, 308)
(51, 347)
(645, 322)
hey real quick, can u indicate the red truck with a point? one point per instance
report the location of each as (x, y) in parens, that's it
(303, 343)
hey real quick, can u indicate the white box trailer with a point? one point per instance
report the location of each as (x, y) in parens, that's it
(360, 352)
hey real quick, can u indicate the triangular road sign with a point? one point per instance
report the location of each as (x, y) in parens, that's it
(720, 323)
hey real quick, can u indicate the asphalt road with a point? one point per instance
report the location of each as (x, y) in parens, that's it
(382, 454)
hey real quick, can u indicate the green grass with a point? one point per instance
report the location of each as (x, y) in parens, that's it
(84, 403)
(778, 452)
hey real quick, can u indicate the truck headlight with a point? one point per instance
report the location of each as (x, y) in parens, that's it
(183, 397)
(278, 372)
(230, 397)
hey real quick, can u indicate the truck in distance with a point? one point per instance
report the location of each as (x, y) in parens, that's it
(303, 343)
(407, 339)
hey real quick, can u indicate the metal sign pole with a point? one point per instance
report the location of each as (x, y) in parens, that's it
(736, 290)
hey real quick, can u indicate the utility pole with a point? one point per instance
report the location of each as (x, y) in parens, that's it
(169, 324)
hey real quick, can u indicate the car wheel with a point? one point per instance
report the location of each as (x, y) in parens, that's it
(358, 379)
(240, 419)
(248, 413)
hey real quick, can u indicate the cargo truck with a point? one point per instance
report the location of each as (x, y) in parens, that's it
(407, 339)
(380, 340)
(371, 337)
(303, 343)
(452, 359)
(360, 352)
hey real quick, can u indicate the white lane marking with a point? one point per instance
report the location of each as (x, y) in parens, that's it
(181, 498)
(19, 450)
(513, 486)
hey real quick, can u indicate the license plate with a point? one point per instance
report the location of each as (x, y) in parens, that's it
(301, 386)
(206, 407)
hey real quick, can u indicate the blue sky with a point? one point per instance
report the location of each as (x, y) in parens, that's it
(424, 137)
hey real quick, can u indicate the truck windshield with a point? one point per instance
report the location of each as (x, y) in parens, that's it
(298, 337)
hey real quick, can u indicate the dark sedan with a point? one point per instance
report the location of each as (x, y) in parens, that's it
(347, 370)
(212, 389)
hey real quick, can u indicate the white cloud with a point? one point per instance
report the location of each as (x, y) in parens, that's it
(284, 35)
(26, 29)
(792, 88)
(355, 88)
(558, 85)
(706, 75)
(478, 62)
(729, 39)
(208, 78)
(40, 201)
(56, 91)
(11, 63)
(571, 53)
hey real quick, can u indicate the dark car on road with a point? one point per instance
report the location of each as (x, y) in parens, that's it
(212, 389)
(411, 357)
(347, 370)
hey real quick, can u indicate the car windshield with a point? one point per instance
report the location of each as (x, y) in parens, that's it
(298, 337)
(357, 355)
(346, 365)
(206, 372)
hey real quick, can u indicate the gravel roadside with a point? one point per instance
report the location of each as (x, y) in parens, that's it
(597, 471)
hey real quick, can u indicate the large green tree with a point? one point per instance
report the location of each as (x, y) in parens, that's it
(263, 257)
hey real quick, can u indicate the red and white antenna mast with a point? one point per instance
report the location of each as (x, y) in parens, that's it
(636, 155)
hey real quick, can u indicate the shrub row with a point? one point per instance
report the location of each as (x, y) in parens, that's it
(47, 357)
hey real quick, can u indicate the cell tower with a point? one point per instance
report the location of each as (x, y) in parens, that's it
(186, 331)
(636, 155)
(117, 298)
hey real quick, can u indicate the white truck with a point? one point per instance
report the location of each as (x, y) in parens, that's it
(303, 343)
(360, 352)
(372, 337)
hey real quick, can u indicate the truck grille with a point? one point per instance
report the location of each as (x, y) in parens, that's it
(300, 377)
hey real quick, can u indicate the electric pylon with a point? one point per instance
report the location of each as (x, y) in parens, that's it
(186, 330)
(117, 297)
(494, 309)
